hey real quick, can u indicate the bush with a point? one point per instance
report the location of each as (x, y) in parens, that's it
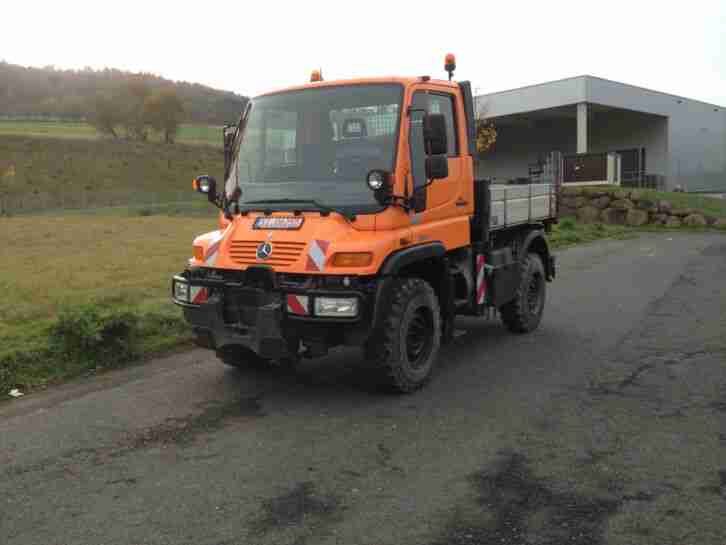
(9, 368)
(567, 224)
(18, 369)
(95, 337)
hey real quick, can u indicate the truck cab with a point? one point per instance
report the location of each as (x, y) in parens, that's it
(350, 215)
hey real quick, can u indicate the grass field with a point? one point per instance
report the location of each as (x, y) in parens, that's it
(112, 265)
(55, 173)
(569, 232)
(188, 134)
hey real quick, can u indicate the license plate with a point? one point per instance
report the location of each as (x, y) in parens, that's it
(278, 222)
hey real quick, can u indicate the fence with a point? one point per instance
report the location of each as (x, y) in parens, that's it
(643, 180)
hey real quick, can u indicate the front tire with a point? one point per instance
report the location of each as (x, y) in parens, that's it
(524, 313)
(406, 346)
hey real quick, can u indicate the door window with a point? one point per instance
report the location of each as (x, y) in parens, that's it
(427, 102)
(444, 104)
(419, 107)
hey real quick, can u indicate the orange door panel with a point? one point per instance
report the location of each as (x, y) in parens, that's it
(444, 192)
(449, 198)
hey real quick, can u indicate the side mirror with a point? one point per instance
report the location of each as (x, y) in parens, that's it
(207, 185)
(434, 131)
(437, 167)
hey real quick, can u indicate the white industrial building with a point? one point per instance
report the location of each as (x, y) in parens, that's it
(662, 140)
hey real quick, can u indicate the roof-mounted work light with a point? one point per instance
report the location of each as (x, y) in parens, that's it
(450, 64)
(317, 75)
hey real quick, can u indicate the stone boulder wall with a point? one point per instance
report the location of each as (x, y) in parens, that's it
(695, 220)
(614, 216)
(622, 206)
(588, 214)
(636, 217)
(646, 204)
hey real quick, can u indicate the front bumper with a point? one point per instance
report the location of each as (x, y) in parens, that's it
(259, 318)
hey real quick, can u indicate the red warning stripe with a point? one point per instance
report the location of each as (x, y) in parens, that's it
(317, 252)
(481, 285)
(297, 304)
(201, 295)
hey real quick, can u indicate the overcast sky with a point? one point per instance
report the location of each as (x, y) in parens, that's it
(254, 46)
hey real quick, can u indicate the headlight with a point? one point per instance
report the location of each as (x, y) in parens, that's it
(181, 291)
(343, 307)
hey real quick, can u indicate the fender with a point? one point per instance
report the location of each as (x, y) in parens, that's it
(537, 239)
(527, 242)
(400, 259)
(395, 263)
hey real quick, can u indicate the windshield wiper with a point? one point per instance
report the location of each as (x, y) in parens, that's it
(320, 206)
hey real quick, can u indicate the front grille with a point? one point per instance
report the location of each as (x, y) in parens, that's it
(284, 254)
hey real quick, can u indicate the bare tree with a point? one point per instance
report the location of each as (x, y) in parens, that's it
(135, 120)
(164, 110)
(105, 115)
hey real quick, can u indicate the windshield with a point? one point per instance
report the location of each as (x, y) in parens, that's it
(317, 144)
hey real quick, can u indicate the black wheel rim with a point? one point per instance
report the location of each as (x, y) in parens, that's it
(419, 337)
(534, 294)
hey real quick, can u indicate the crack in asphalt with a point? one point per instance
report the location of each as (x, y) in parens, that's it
(632, 378)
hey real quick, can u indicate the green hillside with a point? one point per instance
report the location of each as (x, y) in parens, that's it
(47, 173)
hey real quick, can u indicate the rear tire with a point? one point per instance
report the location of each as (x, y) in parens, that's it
(241, 357)
(524, 313)
(405, 347)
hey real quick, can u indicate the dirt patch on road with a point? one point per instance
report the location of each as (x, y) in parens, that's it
(300, 513)
(172, 431)
(518, 508)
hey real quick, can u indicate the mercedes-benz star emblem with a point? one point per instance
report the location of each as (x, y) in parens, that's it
(264, 250)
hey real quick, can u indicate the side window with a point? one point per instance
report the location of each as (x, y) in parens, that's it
(444, 104)
(419, 106)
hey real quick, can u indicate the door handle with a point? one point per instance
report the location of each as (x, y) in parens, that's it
(461, 202)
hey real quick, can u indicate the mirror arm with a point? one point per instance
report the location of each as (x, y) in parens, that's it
(400, 200)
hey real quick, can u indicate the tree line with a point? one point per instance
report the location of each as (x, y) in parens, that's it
(76, 94)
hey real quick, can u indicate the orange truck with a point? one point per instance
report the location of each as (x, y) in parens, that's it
(350, 215)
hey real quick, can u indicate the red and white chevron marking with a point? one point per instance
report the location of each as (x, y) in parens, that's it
(215, 241)
(298, 304)
(481, 285)
(316, 255)
(198, 294)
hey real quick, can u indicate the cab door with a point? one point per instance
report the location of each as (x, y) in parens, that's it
(438, 203)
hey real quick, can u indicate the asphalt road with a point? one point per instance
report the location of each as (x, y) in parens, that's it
(606, 425)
